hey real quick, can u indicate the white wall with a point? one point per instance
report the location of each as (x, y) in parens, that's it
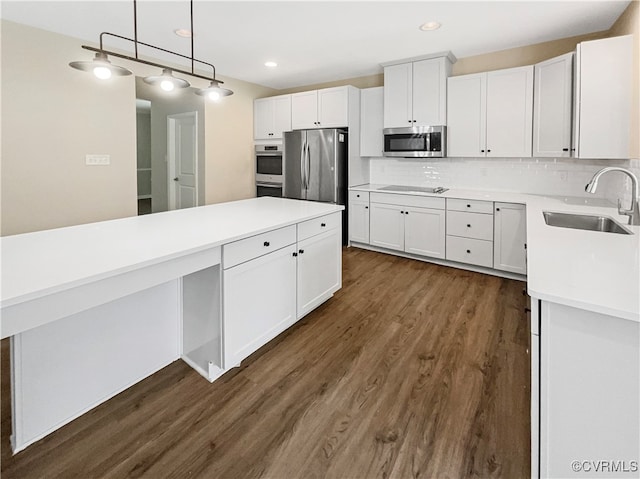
(544, 176)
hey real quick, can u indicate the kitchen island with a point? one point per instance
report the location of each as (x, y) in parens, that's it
(93, 309)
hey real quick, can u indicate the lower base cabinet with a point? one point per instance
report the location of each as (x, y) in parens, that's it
(259, 302)
(589, 394)
(265, 291)
(405, 227)
(319, 270)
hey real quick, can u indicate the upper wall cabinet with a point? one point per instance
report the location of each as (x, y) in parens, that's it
(552, 107)
(327, 108)
(415, 93)
(371, 114)
(603, 98)
(490, 114)
(271, 117)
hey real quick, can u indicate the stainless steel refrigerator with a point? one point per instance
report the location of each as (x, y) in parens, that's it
(315, 167)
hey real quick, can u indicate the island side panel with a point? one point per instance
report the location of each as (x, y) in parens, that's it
(63, 369)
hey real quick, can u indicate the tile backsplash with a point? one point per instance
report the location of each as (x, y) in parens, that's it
(545, 176)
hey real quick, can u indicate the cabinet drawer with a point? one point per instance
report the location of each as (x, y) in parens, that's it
(313, 227)
(408, 200)
(475, 206)
(358, 196)
(471, 251)
(470, 225)
(258, 245)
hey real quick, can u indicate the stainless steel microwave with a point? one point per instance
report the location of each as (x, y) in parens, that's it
(415, 142)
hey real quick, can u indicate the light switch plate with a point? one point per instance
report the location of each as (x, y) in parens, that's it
(93, 160)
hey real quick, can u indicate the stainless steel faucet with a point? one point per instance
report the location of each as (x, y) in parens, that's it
(634, 212)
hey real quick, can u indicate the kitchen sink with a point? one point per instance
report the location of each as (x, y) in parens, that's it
(584, 222)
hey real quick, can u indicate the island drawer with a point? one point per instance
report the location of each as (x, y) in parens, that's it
(471, 251)
(313, 227)
(258, 245)
(474, 206)
(362, 196)
(418, 201)
(470, 225)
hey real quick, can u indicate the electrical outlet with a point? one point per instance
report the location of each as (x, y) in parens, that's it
(97, 160)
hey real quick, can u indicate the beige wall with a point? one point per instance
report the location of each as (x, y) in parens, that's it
(629, 24)
(229, 149)
(358, 82)
(53, 116)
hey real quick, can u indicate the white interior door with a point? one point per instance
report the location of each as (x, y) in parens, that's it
(182, 150)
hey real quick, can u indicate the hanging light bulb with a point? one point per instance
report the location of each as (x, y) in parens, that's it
(101, 67)
(214, 91)
(167, 81)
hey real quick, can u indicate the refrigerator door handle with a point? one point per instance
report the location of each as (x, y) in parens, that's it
(307, 166)
(302, 164)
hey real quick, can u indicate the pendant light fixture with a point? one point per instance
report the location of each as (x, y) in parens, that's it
(104, 69)
(101, 67)
(214, 91)
(167, 81)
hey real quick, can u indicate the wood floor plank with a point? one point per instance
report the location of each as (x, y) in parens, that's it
(412, 370)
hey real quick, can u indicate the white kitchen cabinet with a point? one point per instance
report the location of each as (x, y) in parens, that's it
(490, 114)
(415, 93)
(510, 237)
(271, 117)
(358, 216)
(319, 269)
(589, 393)
(327, 108)
(386, 223)
(371, 121)
(259, 298)
(552, 107)
(470, 231)
(396, 223)
(424, 232)
(603, 98)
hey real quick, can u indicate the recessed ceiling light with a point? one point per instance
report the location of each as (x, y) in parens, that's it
(425, 27)
(183, 32)
(270, 64)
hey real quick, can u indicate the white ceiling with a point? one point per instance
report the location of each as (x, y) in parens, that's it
(315, 41)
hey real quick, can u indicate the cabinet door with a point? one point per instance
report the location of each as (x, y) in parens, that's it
(359, 222)
(605, 97)
(371, 121)
(424, 232)
(319, 269)
(259, 303)
(333, 107)
(430, 92)
(466, 115)
(510, 236)
(510, 112)
(552, 107)
(281, 115)
(263, 119)
(304, 110)
(398, 96)
(386, 226)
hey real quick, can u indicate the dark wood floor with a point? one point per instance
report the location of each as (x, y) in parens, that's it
(411, 370)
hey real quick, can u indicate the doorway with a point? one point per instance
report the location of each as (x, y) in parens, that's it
(182, 159)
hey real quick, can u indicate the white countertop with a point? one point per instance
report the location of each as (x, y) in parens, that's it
(590, 270)
(44, 262)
